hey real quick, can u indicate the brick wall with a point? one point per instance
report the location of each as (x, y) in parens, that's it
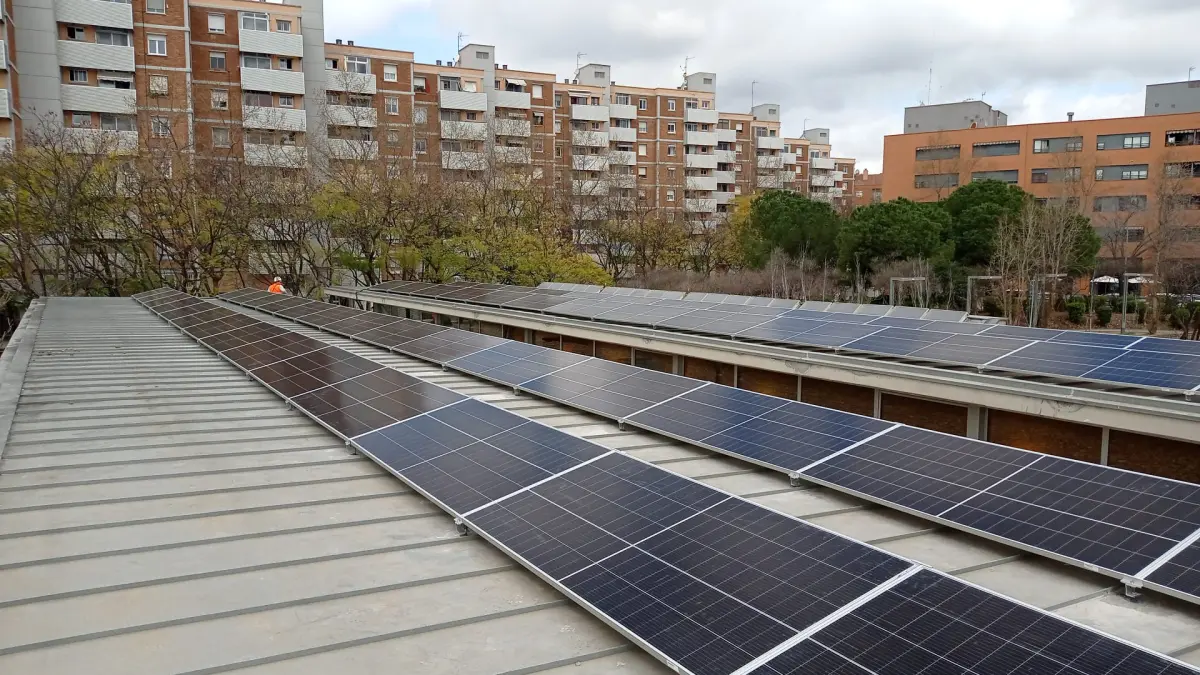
(712, 371)
(1158, 456)
(935, 415)
(839, 396)
(767, 382)
(611, 352)
(1053, 437)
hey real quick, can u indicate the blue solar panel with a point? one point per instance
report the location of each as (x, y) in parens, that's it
(1151, 369)
(1058, 359)
(1154, 344)
(898, 341)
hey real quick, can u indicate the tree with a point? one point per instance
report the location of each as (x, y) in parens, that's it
(791, 223)
(976, 210)
(891, 231)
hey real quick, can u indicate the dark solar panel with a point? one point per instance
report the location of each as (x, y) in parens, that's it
(395, 334)
(1167, 346)
(1068, 360)
(1181, 573)
(897, 341)
(969, 349)
(903, 322)
(1151, 369)
(610, 389)
(372, 401)
(447, 346)
(536, 302)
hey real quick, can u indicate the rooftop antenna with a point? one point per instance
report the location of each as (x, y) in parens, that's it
(578, 65)
(1190, 73)
(686, 59)
(752, 83)
(461, 35)
(929, 88)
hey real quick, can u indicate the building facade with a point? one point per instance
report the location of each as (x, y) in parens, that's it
(1133, 176)
(868, 188)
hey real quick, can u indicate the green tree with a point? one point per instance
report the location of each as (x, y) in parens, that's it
(891, 231)
(976, 210)
(792, 223)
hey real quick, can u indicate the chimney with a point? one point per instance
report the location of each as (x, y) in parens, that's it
(1070, 117)
(504, 67)
(566, 80)
(350, 43)
(338, 41)
(439, 62)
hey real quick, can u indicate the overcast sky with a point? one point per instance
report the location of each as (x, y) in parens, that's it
(851, 65)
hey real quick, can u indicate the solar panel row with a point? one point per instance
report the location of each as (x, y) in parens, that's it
(1152, 363)
(706, 580)
(1116, 522)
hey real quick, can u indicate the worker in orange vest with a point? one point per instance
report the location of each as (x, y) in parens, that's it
(276, 286)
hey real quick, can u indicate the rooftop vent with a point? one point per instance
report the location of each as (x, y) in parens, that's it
(1070, 117)
(338, 41)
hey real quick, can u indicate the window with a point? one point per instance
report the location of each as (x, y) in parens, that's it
(220, 137)
(670, 127)
(391, 105)
(420, 146)
(390, 73)
(158, 85)
(419, 83)
(216, 23)
(220, 99)
(739, 126)
(642, 150)
(558, 126)
(420, 115)
(670, 195)
(621, 99)
(216, 60)
(160, 127)
(285, 63)
(937, 152)
(256, 61)
(156, 6)
(1134, 174)
(1041, 145)
(156, 45)
(287, 101)
(116, 122)
(1075, 146)
(115, 37)
(1188, 137)
(1137, 141)
(643, 104)
(358, 64)
(705, 104)
(255, 21)
(359, 101)
(283, 25)
(598, 74)
(539, 119)
(671, 150)
(481, 55)
(558, 149)
(78, 75)
(75, 33)
(1119, 204)
(537, 91)
(451, 84)
(393, 136)
(81, 120)
(671, 105)
(558, 100)
(641, 172)
(257, 98)
(331, 64)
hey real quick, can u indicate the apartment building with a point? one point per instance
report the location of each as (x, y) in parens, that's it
(10, 115)
(1118, 171)
(868, 188)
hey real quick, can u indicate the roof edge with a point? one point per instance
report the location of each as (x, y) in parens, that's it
(14, 362)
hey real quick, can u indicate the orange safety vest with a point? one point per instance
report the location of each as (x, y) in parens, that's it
(275, 287)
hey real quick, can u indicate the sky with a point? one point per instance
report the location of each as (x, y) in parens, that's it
(850, 65)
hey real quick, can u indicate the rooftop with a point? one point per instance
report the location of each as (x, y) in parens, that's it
(163, 508)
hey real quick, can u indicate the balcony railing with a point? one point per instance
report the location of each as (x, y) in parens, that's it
(622, 157)
(270, 42)
(94, 13)
(5, 110)
(589, 162)
(355, 83)
(726, 156)
(591, 139)
(92, 141)
(510, 127)
(286, 156)
(622, 111)
(3, 55)
(822, 180)
(700, 115)
(725, 177)
(353, 116)
(723, 197)
(700, 138)
(699, 161)
(591, 113)
(769, 180)
(262, 117)
(462, 100)
(822, 163)
(464, 131)
(72, 54)
(99, 99)
(770, 162)
(344, 148)
(471, 161)
(769, 142)
(589, 187)
(279, 81)
(788, 158)
(700, 205)
(511, 155)
(518, 100)
(623, 134)
(726, 136)
(622, 181)
(708, 183)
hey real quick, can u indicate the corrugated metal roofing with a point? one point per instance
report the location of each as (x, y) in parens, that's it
(162, 513)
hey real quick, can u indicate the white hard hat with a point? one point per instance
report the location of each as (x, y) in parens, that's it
(278, 279)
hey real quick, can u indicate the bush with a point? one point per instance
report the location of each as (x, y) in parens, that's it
(1141, 308)
(1104, 313)
(1181, 318)
(1076, 310)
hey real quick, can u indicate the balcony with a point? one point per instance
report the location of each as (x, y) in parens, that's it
(511, 127)
(355, 83)
(590, 139)
(623, 134)
(511, 155)
(6, 145)
(73, 54)
(285, 156)
(464, 131)
(698, 161)
(700, 205)
(821, 163)
(98, 99)
(622, 157)
(279, 81)
(344, 148)
(725, 177)
(726, 156)
(94, 13)
(769, 142)
(352, 116)
(822, 180)
(706, 183)
(769, 181)
(92, 141)
(462, 100)
(787, 176)
(589, 187)
(726, 136)
(589, 162)
(723, 197)
(591, 113)
(3, 55)
(770, 162)
(700, 116)
(470, 161)
(622, 111)
(622, 181)
(510, 99)
(271, 42)
(789, 158)
(700, 138)
(837, 175)
(4, 107)
(286, 119)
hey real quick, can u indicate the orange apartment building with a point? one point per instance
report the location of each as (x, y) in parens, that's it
(868, 188)
(1119, 171)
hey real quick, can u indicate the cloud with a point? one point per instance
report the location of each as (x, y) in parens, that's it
(851, 65)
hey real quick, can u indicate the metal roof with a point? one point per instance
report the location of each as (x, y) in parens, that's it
(160, 509)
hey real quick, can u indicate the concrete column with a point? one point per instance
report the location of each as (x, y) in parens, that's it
(878, 403)
(35, 38)
(975, 422)
(1104, 432)
(799, 387)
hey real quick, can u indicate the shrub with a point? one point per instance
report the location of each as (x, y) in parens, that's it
(1076, 310)
(1104, 313)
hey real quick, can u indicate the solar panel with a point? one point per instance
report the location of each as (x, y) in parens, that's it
(1057, 359)
(1151, 369)
(377, 399)
(1155, 344)
(515, 363)
(897, 341)
(610, 389)
(395, 334)
(1180, 574)
(444, 346)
